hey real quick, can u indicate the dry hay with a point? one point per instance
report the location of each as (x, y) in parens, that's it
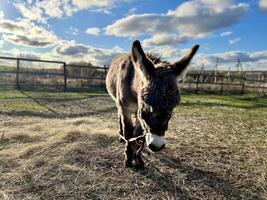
(209, 156)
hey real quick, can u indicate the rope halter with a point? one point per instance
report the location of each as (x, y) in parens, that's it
(139, 140)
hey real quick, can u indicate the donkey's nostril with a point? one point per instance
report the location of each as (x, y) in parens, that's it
(156, 148)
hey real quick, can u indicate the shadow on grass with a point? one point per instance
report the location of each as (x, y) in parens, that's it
(44, 102)
(39, 103)
(194, 175)
(58, 115)
(52, 96)
(165, 182)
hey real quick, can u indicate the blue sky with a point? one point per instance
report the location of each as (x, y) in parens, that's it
(98, 30)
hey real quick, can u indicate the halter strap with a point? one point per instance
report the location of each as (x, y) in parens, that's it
(134, 139)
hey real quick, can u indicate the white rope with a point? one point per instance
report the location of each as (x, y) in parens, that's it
(134, 139)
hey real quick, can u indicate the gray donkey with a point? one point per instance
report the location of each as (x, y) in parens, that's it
(145, 91)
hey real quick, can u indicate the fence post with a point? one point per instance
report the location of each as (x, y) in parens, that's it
(17, 75)
(221, 90)
(65, 76)
(243, 85)
(197, 89)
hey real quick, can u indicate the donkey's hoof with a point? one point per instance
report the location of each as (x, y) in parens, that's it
(139, 164)
(128, 164)
(139, 167)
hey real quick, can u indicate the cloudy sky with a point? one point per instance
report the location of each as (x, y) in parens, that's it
(98, 30)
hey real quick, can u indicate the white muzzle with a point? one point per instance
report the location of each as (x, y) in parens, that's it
(155, 142)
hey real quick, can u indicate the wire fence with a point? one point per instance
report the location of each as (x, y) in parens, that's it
(22, 73)
(225, 84)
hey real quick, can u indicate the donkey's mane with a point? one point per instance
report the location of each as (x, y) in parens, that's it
(156, 59)
(161, 66)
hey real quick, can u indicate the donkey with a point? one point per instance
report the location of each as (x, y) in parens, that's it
(145, 91)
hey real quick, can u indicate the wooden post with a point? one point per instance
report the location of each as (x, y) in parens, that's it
(17, 75)
(65, 76)
(221, 90)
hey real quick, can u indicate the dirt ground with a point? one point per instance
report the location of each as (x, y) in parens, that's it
(66, 147)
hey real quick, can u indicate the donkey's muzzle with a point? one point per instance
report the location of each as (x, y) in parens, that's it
(155, 142)
(155, 148)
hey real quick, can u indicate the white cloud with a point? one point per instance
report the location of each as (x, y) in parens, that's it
(93, 31)
(70, 51)
(42, 10)
(73, 51)
(234, 41)
(98, 4)
(26, 33)
(8, 26)
(28, 41)
(52, 8)
(164, 39)
(82, 4)
(256, 60)
(71, 48)
(191, 19)
(135, 25)
(227, 33)
(34, 13)
(263, 4)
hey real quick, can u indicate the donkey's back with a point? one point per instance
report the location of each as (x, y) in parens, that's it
(119, 80)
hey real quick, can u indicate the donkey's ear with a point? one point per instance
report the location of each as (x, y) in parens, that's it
(181, 65)
(141, 62)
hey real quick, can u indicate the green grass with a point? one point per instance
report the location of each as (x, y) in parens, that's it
(250, 108)
(8, 68)
(13, 93)
(12, 101)
(238, 101)
(16, 100)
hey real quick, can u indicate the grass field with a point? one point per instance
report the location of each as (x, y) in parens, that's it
(65, 146)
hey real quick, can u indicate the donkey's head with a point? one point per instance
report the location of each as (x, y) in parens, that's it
(159, 93)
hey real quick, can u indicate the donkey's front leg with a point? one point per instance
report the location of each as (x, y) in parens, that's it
(127, 129)
(120, 127)
(138, 146)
